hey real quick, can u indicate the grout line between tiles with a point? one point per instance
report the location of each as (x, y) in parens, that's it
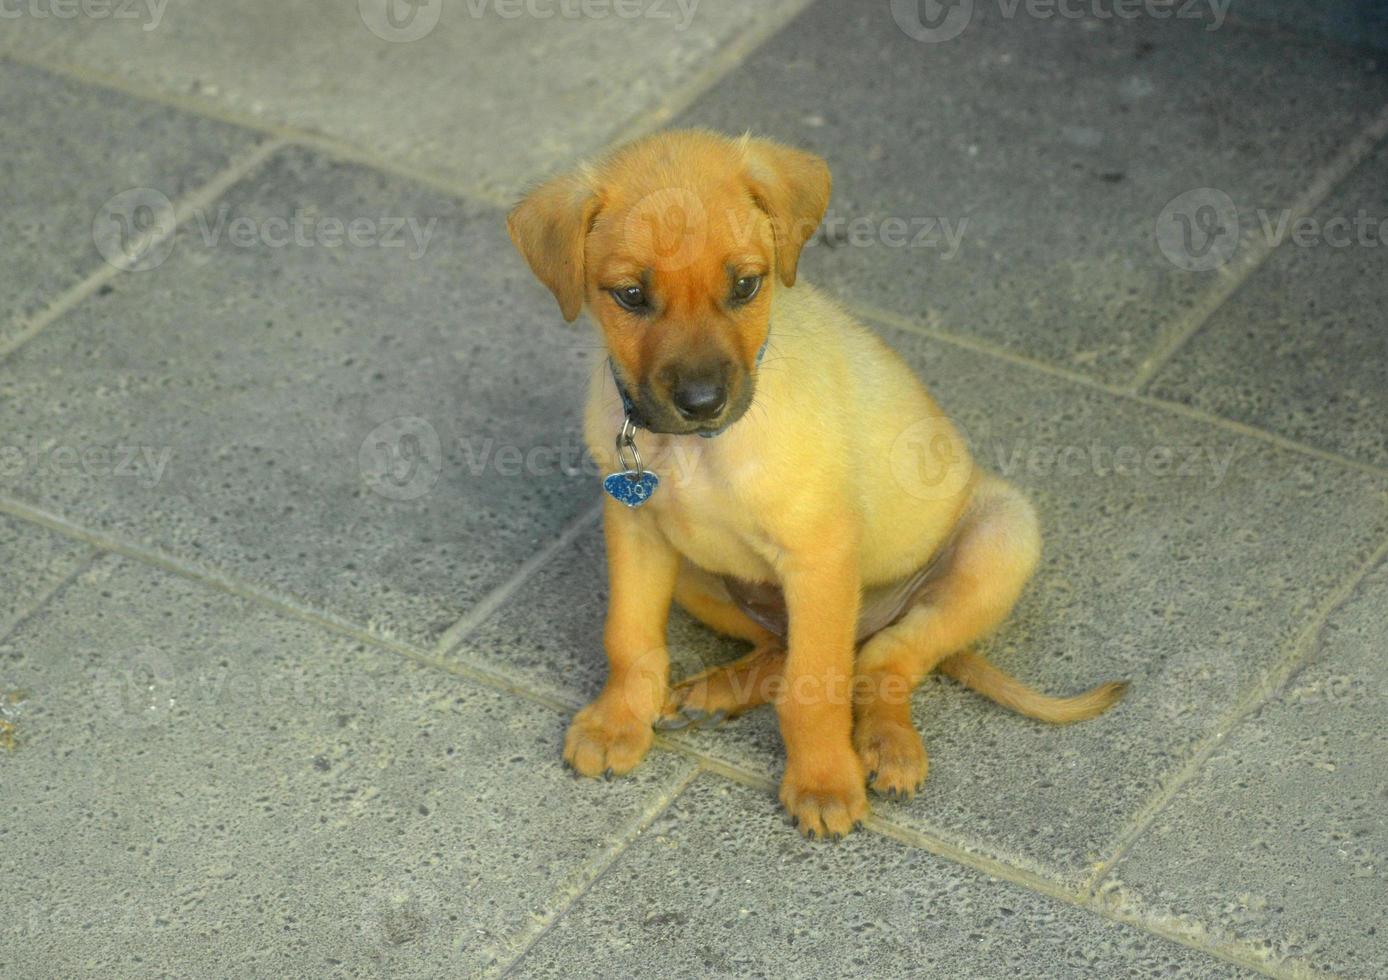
(1229, 952)
(1259, 693)
(334, 148)
(725, 61)
(1254, 251)
(898, 322)
(497, 597)
(36, 607)
(200, 198)
(283, 604)
(606, 863)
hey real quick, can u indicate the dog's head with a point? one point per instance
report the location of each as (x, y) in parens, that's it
(675, 244)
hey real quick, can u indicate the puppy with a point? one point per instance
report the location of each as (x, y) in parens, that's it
(776, 470)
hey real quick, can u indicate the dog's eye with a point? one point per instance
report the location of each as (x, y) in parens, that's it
(631, 298)
(745, 288)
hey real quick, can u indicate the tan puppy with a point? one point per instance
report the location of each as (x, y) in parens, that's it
(834, 489)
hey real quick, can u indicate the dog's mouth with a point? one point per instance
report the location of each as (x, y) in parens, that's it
(660, 415)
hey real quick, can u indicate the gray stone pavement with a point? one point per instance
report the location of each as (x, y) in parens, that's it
(273, 704)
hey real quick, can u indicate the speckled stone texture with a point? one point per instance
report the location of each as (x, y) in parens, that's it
(712, 888)
(108, 144)
(1363, 23)
(1281, 840)
(1054, 144)
(1302, 349)
(36, 561)
(207, 788)
(383, 431)
(480, 92)
(1188, 584)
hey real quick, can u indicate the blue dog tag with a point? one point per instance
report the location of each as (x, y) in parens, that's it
(631, 488)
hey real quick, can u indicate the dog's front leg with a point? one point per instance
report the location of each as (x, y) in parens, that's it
(823, 784)
(611, 735)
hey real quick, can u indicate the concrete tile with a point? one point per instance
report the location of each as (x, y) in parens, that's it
(352, 424)
(1301, 348)
(718, 886)
(36, 561)
(483, 93)
(1359, 22)
(1049, 147)
(1281, 840)
(1187, 578)
(207, 788)
(69, 149)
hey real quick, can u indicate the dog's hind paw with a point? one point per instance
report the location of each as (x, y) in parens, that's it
(893, 756)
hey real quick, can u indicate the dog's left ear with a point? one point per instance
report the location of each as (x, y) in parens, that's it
(549, 228)
(792, 187)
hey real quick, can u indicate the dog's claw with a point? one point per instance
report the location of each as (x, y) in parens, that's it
(607, 774)
(795, 821)
(857, 825)
(670, 723)
(810, 834)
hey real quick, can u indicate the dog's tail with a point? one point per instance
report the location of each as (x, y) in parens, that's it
(974, 671)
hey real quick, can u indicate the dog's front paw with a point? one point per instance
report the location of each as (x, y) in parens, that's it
(893, 756)
(825, 801)
(606, 740)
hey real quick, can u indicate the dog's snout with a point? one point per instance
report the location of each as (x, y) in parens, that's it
(700, 399)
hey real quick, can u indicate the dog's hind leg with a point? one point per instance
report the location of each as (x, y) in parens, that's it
(729, 689)
(995, 552)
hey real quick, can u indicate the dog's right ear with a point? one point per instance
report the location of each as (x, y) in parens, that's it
(549, 228)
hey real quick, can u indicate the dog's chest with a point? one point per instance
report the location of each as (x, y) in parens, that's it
(702, 508)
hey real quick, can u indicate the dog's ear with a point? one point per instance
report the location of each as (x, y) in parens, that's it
(792, 187)
(549, 228)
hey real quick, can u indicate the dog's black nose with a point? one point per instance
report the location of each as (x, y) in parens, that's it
(700, 399)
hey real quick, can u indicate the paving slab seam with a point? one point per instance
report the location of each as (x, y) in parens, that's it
(327, 145)
(282, 604)
(39, 604)
(185, 208)
(497, 597)
(1299, 652)
(896, 321)
(602, 866)
(725, 60)
(1232, 953)
(1253, 253)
